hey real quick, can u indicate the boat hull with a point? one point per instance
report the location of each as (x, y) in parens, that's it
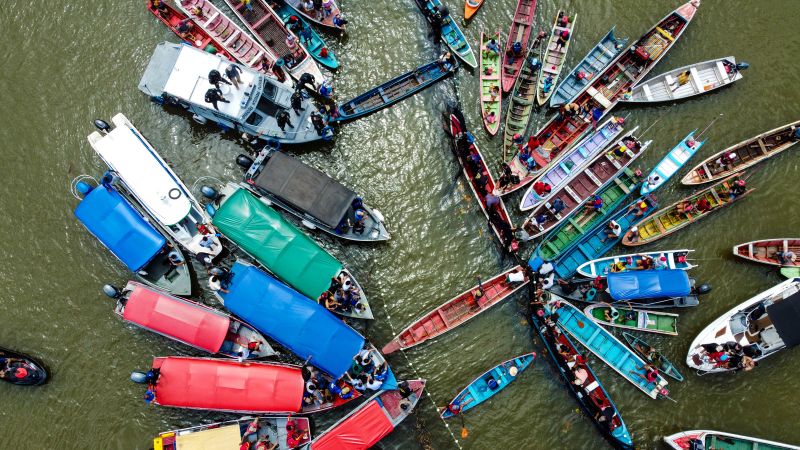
(764, 251)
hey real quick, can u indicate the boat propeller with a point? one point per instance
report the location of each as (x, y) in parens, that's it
(111, 291)
(102, 125)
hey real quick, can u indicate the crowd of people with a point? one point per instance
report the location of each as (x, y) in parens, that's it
(730, 355)
(365, 374)
(343, 296)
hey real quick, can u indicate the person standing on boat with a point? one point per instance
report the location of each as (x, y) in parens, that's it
(339, 22)
(184, 27)
(492, 47)
(563, 37)
(233, 73)
(213, 96)
(317, 9)
(297, 102)
(215, 78)
(283, 119)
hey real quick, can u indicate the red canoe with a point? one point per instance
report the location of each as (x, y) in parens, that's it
(171, 17)
(520, 31)
(764, 251)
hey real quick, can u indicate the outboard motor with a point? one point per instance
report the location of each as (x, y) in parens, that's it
(102, 125)
(139, 377)
(111, 291)
(703, 289)
(83, 188)
(244, 161)
(209, 192)
(742, 65)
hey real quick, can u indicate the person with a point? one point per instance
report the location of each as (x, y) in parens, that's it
(606, 416)
(696, 444)
(596, 203)
(660, 262)
(149, 396)
(547, 83)
(494, 92)
(175, 259)
(517, 139)
(297, 102)
(491, 200)
(490, 116)
(326, 89)
(215, 78)
(567, 286)
(563, 37)
(541, 188)
(307, 81)
(233, 72)
(294, 435)
(492, 47)
(558, 206)
(251, 430)
(685, 207)
(581, 375)
(207, 241)
(645, 262)
(291, 43)
(618, 266)
(160, 7)
(628, 94)
(513, 53)
(318, 122)
(614, 230)
(633, 235)
(213, 96)
(446, 61)
(204, 259)
(795, 136)
(184, 28)
(571, 109)
(563, 19)
(283, 120)
(344, 392)
(317, 5)
(215, 284)
(338, 21)
(596, 113)
(682, 79)
(294, 23)
(638, 209)
(738, 189)
(651, 373)
(786, 258)
(265, 444)
(327, 8)
(652, 181)
(703, 205)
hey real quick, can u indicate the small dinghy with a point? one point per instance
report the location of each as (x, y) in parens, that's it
(672, 162)
(633, 319)
(688, 81)
(650, 354)
(471, 7)
(439, 16)
(555, 55)
(699, 439)
(775, 252)
(490, 93)
(284, 431)
(313, 42)
(667, 259)
(21, 369)
(321, 17)
(196, 36)
(518, 36)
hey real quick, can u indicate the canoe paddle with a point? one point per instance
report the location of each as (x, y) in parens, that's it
(709, 126)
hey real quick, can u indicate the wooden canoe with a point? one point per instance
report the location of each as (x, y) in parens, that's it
(747, 153)
(675, 259)
(471, 7)
(308, 36)
(764, 251)
(704, 77)
(491, 103)
(451, 34)
(457, 311)
(317, 17)
(650, 354)
(720, 440)
(520, 31)
(672, 162)
(633, 319)
(197, 37)
(554, 59)
(668, 220)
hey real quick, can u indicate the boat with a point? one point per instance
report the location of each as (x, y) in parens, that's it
(743, 155)
(269, 30)
(177, 75)
(520, 32)
(598, 58)
(703, 77)
(134, 240)
(144, 176)
(491, 99)
(591, 395)
(671, 219)
(591, 245)
(471, 7)
(765, 251)
(324, 21)
(315, 199)
(762, 326)
(197, 37)
(313, 42)
(672, 162)
(720, 440)
(371, 421)
(607, 347)
(487, 385)
(633, 319)
(574, 161)
(673, 260)
(250, 223)
(554, 58)
(21, 369)
(392, 91)
(650, 354)
(467, 151)
(438, 16)
(188, 322)
(285, 431)
(790, 272)
(459, 309)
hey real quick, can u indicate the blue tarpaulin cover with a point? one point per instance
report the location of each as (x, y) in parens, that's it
(109, 217)
(648, 284)
(295, 321)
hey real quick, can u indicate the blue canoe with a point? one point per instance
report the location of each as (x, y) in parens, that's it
(607, 347)
(593, 63)
(591, 246)
(674, 259)
(672, 162)
(451, 34)
(591, 396)
(488, 384)
(310, 39)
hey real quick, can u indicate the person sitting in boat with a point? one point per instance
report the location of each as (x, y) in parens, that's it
(516, 52)
(645, 262)
(739, 188)
(580, 375)
(650, 373)
(633, 235)
(295, 436)
(618, 266)
(489, 116)
(703, 205)
(196, 11)
(251, 430)
(557, 206)
(638, 209)
(547, 84)
(492, 47)
(344, 392)
(215, 284)
(175, 260)
(685, 207)
(786, 258)
(628, 94)
(213, 96)
(160, 7)
(184, 28)
(606, 417)
(338, 21)
(795, 136)
(682, 79)
(494, 92)
(317, 6)
(446, 61)
(563, 19)
(652, 181)
(526, 232)
(517, 139)
(563, 37)
(265, 444)
(571, 109)
(613, 231)
(660, 262)
(326, 89)
(541, 188)
(596, 203)
(327, 8)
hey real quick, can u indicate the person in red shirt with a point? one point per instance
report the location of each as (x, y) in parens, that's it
(541, 188)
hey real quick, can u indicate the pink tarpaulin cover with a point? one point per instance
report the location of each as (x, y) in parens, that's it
(360, 431)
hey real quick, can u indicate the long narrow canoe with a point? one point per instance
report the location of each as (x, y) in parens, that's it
(765, 251)
(633, 319)
(744, 154)
(722, 441)
(672, 162)
(573, 162)
(451, 34)
(318, 17)
(471, 7)
(308, 36)
(590, 395)
(669, 220)
(520, 32)
(699, 78)
(196, 37)
(393, 91)
(287, 432)
(487, 385)
(607, 347)
(458, 310)
(598, 58)
(650, 354)
(270, 32)
(491, 99)
(673, 259)
(554, 58)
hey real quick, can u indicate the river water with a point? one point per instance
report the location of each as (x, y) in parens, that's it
(66, 63)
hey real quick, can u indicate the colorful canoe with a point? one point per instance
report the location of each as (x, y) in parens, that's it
(670, 219)
(650, 354)
(21, 369)
(520, 32)
(459, 309)
(197, 37)
(675, 259)
(700, 78)
(765, 251)
(633, 319)
(744, 154)
(574, 161)
(598, 58)
(471, 7)
(687, 440)
(319, 17)
(287, 432)
(672, 162)
(490, 94)
(554, 58)
(487, 385)
(451, 34)
(313, 42)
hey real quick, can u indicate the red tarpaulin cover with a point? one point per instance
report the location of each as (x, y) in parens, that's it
(227, 385)
(360, 431)
(183, 321)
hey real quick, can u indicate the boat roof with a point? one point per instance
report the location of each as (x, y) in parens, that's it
(228, 385)
(112, 220)
(220, 438)
(145, 174)
(302, 325)
(277, 244)
(183, 320)
(785, 316)
(363, 429)
(648, 284)
(305, 187)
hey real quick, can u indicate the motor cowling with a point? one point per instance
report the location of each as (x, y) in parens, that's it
(244, 161)
(139, 377)
(111, 291)
(209, 192)
(102, 125)
(83, 188)
(703, 289)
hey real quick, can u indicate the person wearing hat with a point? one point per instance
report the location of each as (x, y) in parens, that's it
(660, 262)
(638, 209)
(633, 235)
(581, 375)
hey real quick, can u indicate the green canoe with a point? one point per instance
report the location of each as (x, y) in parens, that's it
(648, 353)
(633, 319)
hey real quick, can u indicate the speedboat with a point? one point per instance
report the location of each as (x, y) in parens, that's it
(21, 369)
